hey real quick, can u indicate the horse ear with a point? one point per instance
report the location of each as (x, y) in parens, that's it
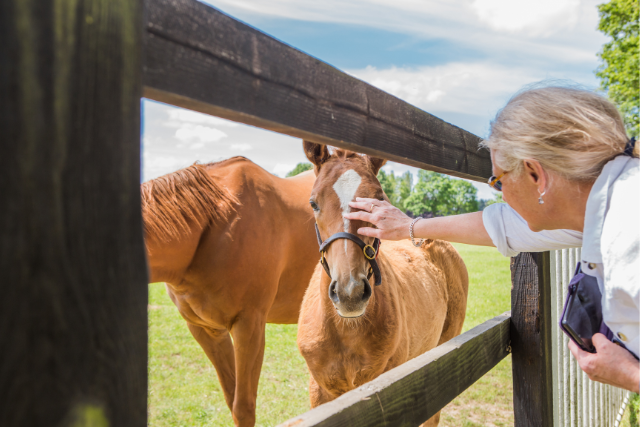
(375, 164)
(316, 153)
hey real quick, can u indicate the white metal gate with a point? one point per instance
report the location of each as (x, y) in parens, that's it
(577, 401)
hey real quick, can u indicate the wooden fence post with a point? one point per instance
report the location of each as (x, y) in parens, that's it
(73, 288)
(531, 340)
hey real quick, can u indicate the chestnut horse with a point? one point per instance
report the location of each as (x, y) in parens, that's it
(349, 331)
(235, 246)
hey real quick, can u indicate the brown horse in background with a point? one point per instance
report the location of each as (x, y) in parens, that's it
(235, 246)
(349, 333)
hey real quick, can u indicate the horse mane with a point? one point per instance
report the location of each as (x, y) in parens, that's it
(189, 194)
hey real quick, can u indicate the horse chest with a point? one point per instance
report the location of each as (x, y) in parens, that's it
(348, 371)
(340, 365)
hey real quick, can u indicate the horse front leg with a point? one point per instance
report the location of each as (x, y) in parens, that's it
(218, 347)
(248, 337)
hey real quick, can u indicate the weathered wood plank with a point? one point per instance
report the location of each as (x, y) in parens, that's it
(531, 340)
(196, 57)
(73, 317)
(416, 390)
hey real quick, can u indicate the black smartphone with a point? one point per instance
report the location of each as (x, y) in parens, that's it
(585, 344)
(582, 314)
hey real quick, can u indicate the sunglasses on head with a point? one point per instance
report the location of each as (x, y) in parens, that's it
(495, 183)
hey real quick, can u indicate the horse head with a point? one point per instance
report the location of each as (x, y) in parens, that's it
(341, 177)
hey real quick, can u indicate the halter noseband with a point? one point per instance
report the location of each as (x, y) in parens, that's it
(370, 252)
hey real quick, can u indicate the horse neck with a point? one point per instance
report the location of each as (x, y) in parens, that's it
(169, 260)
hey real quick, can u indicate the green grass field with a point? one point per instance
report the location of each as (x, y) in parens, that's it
(184, 390)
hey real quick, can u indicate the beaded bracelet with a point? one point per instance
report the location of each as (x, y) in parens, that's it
(417, 245)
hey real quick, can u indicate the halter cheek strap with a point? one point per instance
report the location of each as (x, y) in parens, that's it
(370, 252)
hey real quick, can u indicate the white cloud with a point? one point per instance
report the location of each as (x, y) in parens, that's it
(241, 147)
(469, 88)
(477, 24)
(161, 162)
(387, 168)
(155, 165)
(149, 141)
(536, 18)
(281, 169)
(203, 134)
(181, 115)
(201, 141)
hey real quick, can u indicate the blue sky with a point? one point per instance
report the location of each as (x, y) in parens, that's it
(460, 60)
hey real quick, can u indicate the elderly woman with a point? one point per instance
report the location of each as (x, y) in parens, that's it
(570, 178)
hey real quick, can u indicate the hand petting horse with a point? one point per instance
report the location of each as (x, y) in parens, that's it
(349, 331)
(235, 246)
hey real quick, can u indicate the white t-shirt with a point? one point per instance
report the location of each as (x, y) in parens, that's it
(610, 243)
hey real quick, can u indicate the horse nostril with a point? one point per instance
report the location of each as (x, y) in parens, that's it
(367, 290)
(333, 293)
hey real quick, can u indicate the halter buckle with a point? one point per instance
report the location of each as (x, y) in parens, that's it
(366, 255)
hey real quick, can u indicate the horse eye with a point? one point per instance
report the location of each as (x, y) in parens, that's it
(313, 205)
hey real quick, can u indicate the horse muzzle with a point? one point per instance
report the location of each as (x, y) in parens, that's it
(350, 299)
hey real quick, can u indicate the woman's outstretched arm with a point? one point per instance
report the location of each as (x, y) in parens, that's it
(392, 224)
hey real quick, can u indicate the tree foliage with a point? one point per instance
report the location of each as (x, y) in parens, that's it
(397, 188)
(433, 193)
(620, 68)
(441, 195)
(300, 167)
(484, 203)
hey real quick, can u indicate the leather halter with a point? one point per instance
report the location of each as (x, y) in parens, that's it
(370, 252)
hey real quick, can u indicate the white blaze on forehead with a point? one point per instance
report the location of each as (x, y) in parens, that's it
(346, 187)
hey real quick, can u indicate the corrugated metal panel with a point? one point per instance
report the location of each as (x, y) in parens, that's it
(578, 401)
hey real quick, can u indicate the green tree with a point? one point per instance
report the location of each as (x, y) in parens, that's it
(397, 188)
(464, 197)
(405, 183)
(300, 167)
(441, 195)
(620, 68)
(497, 199)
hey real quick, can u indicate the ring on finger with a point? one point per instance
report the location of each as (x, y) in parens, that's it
(372, 206)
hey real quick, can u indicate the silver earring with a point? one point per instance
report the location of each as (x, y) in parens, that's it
(540, 201)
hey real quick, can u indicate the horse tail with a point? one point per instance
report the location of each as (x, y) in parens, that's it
(189, 195)
(447, 259)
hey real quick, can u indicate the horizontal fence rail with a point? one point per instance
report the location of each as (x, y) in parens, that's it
(197, 57)
(578, 401)
(413, 392)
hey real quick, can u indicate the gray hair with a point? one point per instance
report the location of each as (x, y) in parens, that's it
(571, 131)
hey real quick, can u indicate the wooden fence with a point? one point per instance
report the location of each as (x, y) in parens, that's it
(73, 305)
(73, 308)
